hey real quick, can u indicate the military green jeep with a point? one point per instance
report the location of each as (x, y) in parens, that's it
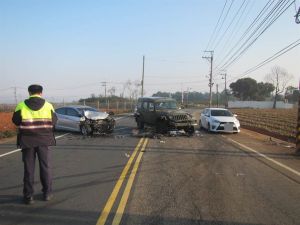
(163, 114)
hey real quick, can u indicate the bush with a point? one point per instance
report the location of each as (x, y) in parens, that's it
(7, 133)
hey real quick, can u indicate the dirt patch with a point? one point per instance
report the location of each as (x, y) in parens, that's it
(7, 128)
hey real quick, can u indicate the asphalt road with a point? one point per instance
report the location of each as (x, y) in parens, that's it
(126, 179)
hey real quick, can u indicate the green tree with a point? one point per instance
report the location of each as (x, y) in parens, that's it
(244, 89)
(264, 90)
(291, 94)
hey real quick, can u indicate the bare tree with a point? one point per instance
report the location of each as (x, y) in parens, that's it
(280, 78)
(137, 85)
(111, 91)
(127, 86)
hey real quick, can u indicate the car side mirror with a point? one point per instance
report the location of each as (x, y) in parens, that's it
(235, 115)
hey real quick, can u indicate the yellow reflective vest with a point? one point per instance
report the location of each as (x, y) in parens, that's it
(35, 120)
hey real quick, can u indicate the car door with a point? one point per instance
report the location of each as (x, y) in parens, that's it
(202, 118)
(73, 119)
(206, 118)
(151, 114)
(61, 118)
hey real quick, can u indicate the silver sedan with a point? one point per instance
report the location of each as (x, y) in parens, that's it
(84, 119)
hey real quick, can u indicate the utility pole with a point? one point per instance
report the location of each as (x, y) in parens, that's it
(181, 95)
(210, 84)
(15, 95)
(226, 96)
(104, 84)
(297, 20)
(143, 73)
(217, 86)
(187, 96)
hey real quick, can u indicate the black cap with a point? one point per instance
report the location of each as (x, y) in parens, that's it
(35, 89)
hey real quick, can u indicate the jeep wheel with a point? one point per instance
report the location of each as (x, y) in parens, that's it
(190, 130)
(161, 126)
(140, 123)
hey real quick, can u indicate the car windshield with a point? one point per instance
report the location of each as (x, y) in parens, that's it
(221, 113)
(82, 110)
(166, 105)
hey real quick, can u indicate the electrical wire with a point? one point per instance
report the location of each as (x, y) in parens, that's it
(228, 10)
(225, 32)
(263, 22)
(213, 33)
(269, 59)
(229, 41)
(242, 50)
(260, 14)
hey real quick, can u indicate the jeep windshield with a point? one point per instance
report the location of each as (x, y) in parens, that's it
(166, 105)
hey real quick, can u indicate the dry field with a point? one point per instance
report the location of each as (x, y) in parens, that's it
(5, 121)
(7, 128)
(280, 123)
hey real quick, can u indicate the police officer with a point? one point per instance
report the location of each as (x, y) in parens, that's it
(35, 119)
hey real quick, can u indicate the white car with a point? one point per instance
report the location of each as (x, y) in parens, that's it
(219, 120)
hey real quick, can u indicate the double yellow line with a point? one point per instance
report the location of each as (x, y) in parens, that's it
(110, 202)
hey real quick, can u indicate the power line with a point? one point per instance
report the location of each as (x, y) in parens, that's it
(253, 33)
(270, 59)
(228, 10)
(236, 28)
(213, 33)
(242, 50)
(257, 18)
(225, 32)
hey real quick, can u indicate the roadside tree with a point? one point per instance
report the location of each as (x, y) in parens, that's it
(244, 89)
(280, 78)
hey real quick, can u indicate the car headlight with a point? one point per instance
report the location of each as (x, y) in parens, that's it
(215, 121)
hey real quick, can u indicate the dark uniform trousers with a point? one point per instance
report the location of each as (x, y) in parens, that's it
(28, 157)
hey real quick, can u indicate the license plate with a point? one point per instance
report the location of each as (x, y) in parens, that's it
(228, 127)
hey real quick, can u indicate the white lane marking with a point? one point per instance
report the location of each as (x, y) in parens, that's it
(17, 150)
(266, 157)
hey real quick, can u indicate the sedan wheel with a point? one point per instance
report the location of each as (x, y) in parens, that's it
(208, 127)
(85, 129)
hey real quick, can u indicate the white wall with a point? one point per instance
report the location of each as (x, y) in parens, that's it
(259, 104)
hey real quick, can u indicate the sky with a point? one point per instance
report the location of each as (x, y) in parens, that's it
(71, 46)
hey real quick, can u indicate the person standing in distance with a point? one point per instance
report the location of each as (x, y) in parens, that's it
(35, 118)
